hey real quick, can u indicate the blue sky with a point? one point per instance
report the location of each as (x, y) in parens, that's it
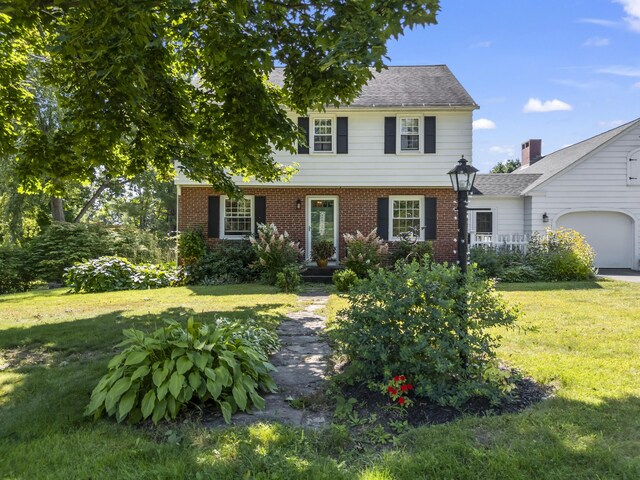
(559, 70)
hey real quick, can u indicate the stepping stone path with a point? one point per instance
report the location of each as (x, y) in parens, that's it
(301, 364)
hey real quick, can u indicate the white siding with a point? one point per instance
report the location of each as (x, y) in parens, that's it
(507, 213)
(366, 164)
(597, 183)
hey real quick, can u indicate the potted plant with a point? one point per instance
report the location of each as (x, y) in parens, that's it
(321, 251)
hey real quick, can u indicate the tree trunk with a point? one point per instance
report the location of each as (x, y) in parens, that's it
(57, 209)
(91, 202)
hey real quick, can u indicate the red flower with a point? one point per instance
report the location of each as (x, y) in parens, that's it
(391, 389)
(402, 378)
(401, 401)
(396, 378)
(404, 388)
(409, 386)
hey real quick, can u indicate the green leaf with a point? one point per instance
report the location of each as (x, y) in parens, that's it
(162, 390)
(159, 376)
(200, 360)
(194, 380)
(226, 411)
(224, 375)
(210, 373)
(159, 411)
(183, 364)
(136, 357)
(257, 400)
(148, 403)
(240, 396)
(175, 384)
(127, 401)
(215, 388)
(140, 372)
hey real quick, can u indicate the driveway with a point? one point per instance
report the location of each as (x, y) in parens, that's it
(622, 274)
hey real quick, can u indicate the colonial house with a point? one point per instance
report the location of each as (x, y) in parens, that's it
(380, 162)
(592, 187)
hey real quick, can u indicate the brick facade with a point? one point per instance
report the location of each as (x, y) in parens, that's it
(357, 211)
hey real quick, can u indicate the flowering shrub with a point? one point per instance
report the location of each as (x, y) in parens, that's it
(422, 320)
(275, 251)
(364, 252)
(158, 373)
(561, 255)
(107, 274)
(398, 389)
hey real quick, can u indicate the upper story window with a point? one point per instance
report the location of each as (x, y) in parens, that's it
(237, 217)
(406, 216)
(323, 134)
(410, 134)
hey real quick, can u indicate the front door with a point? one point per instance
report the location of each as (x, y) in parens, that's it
(322, 221)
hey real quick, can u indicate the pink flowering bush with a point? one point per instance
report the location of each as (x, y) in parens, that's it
(275, 252)
(364, 252)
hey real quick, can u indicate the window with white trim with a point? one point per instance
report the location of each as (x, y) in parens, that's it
(236, 217)
(410, 134)
(323, 135)
(405, 215)
(484, 223)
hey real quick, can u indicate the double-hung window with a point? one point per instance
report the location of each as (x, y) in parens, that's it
(237, 217)
(323, 135)
(406, 214)
(410, 134)
(484, 226)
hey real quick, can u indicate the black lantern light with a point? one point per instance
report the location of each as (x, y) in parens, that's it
(462, 177)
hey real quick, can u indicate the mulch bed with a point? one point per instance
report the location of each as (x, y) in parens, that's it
(425, 412)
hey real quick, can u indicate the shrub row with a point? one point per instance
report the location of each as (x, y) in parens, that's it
(61, 245)
(557, 255)
(107, 274)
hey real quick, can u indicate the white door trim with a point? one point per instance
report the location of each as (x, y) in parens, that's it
(336, 209)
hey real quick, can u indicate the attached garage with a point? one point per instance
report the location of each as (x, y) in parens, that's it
(611, 234)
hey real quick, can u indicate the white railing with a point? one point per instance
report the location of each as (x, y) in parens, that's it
(514, 241)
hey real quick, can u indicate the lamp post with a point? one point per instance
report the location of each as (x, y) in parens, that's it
(462, 177)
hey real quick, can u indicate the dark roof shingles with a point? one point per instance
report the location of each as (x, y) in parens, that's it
(502, 184)
(416, 86)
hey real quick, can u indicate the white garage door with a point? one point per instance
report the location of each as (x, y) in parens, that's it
(609, 233)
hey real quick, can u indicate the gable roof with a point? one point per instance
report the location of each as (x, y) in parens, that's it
(558, 161)
(502, 184)
(415, 86)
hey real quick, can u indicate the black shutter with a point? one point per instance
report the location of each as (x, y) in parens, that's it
(303, 126)
(430, 209)
(383, 217)
(213, 228)
(260, 205)
(429, 134)
(389, 134)
(343, 135)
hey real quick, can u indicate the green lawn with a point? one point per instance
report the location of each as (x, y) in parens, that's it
(585, 340)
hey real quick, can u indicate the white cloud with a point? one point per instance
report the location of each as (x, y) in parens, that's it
(485, 44)
(596, 42)
(621, 70)
(600, 21)
(536, 105)
(632, 9)
(484, 124)
(502, 150)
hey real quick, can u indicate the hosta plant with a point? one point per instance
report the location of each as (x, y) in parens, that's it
(224, 363)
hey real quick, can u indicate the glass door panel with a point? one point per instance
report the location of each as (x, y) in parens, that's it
(322, 220)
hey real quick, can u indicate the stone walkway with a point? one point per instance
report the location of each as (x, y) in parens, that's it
(301, 364)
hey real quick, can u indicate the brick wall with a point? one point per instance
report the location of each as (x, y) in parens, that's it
(357, 211)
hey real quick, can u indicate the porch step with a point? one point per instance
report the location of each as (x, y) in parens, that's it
(314, 274)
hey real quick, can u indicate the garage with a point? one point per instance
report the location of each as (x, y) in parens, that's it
(610, 234)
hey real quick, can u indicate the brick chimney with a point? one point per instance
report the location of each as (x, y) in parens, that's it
(531, 152)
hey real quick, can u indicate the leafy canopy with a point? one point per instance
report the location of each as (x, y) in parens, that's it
(507, 166)
(143, 84)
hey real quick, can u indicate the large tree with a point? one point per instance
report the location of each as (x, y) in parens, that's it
(145, 83)
(507, 166)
